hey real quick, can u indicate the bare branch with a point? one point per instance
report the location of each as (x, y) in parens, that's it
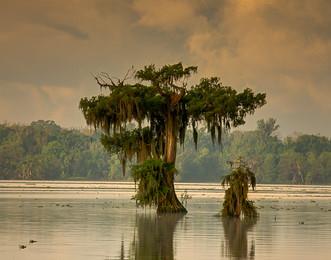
(129, 74)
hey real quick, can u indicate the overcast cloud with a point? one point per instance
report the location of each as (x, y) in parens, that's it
(48, 50)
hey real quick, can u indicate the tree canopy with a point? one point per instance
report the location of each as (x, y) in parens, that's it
(148, 105)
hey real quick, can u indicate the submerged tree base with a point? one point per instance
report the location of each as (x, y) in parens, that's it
(236, 207)
(173, 207)
(155, 180)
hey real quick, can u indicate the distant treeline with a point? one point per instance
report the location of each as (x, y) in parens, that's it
(44, 150)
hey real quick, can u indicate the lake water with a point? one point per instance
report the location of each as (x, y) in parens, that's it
(97, 220)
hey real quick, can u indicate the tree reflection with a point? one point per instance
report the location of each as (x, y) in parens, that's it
(153, 238)
(236, 241)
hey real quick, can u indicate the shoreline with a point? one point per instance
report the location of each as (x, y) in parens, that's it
(109, 190)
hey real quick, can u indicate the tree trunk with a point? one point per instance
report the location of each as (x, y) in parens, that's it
(170, 204)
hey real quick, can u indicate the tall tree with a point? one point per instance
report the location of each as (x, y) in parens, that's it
(161, 105)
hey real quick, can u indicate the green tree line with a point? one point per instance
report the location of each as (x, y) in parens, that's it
(301, 159)
(45, 151)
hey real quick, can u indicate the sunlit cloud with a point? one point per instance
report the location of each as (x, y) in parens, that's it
(49, 49)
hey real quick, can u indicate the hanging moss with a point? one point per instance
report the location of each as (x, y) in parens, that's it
(160, 105)
(220, 106)
(209, 101)
(149, 176)
(235, 200)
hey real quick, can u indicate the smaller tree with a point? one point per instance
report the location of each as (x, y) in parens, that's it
(235, 200)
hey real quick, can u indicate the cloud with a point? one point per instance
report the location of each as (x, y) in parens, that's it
(66, 28)
(277, 46)
(166, 14)
(20, 102)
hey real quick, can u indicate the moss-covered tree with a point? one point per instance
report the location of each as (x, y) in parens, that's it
(144, 118)
(236, 201)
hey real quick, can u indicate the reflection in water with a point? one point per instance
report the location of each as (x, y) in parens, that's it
(236, 241)
(109, 229)
(153, 237)
(122, 256)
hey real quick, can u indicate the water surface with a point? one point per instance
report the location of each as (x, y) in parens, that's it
(97, 220)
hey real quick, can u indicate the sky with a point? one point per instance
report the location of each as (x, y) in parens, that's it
(50, 49)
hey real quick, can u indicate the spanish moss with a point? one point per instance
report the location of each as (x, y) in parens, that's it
(236, 203)
(146, 118)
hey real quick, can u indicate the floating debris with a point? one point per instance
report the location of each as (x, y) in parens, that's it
(22, 246)
(32, 241)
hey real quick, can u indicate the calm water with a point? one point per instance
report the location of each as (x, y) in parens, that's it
(97, 220)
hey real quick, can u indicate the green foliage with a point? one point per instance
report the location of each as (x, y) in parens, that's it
(267, 128)
(235, 200)
(138, 144)
(301, 159)
(305, 144)
(43, 150)
(167, 76)
(26, 152)
(220, 107)
(202, 164)
(150, 176)
(164, 99)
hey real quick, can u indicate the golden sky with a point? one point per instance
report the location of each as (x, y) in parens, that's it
(48, 50)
